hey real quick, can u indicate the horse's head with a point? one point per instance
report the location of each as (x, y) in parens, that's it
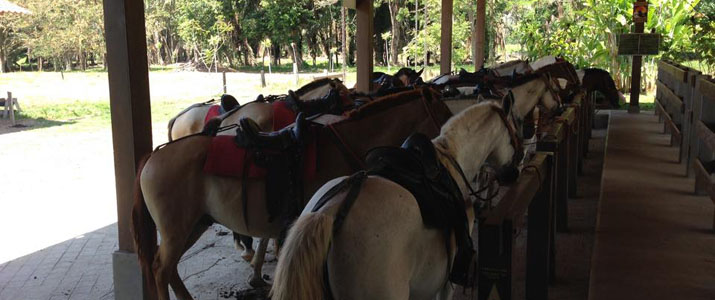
(408, 77)
(509, 150)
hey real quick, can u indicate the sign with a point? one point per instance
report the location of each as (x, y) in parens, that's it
(640, 12)
(638, 43)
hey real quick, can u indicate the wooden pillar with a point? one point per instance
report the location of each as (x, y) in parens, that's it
(481, 34)
(364, 44)
(633, 106)
(128, 74)
(445, 64)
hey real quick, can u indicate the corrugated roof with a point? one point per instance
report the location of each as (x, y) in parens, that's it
(9, 7)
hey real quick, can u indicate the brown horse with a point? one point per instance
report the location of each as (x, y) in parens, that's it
(175, 196)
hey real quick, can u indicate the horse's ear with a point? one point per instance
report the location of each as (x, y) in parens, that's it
(420, 72)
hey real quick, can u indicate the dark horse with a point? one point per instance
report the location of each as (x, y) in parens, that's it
(600, 80)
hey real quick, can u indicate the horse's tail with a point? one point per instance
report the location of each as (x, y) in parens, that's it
(144, 230)
(299, 275)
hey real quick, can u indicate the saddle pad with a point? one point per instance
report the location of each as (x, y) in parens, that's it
(225, 158)
(213, 112)
(283, 115)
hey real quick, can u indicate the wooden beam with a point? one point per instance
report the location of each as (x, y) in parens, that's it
(481, 33)
(129, 102)
(445, 63)
(364, 44)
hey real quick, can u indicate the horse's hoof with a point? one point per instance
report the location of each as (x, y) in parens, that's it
(247, 255)
(237, 244)
(257, 282)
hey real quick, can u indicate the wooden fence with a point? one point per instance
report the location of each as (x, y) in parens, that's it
(685, 102)
(542, 193)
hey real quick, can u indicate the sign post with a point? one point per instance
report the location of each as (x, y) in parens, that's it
(640, 16)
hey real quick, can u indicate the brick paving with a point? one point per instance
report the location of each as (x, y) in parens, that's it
(81, 268)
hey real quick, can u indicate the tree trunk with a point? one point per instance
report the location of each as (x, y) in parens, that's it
(396, 29)
(344, 32)
(250, 59)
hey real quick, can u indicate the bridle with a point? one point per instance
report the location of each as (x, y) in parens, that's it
(510, 122)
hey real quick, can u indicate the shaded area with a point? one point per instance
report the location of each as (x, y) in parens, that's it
(653, 239)
(25, 123)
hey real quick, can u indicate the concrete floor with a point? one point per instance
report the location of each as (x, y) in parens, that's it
(654, 238)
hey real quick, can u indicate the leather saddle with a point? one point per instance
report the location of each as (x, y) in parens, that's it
(415, 167)
(249, 135)
(330, 103)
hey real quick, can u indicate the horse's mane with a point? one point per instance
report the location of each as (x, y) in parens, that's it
(388, 102)
(592, 71)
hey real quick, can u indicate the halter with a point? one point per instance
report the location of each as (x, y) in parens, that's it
(515, 142)
(515, 135)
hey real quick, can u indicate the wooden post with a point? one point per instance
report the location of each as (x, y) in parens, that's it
(538, 248)
(224, 82)
(263, 78)
(364, 44)
(128, 73)
(295, 71)
(10, 103)
(481, 34)
(445, 63)
(633, 106)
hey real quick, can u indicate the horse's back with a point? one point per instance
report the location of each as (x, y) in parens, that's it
(190, 122)
(383, 250)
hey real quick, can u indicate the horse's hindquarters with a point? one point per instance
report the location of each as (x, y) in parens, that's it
(383, 250)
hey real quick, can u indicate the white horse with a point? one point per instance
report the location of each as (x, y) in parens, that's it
(383, 249)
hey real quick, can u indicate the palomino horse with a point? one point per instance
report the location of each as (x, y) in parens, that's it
(520, 67)
(192, 119)
(175, 196)
(594, 79)
(371, 238)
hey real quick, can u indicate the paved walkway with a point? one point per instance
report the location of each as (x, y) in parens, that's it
(81, 268)
(654, 238)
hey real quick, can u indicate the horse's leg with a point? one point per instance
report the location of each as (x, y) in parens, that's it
(176, 283)
(247, 242)
(256, 279)
(165, 262)
(447, 292)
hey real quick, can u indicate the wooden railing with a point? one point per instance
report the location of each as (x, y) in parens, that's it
(703, 142)
(500, 228)
(685, 102)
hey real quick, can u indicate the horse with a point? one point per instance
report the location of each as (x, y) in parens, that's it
(175, 196)
(404, 77)
(594, 79)
(368, 240)
(192, 119)
(520, 67)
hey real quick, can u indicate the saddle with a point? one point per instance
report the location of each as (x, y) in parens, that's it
(415, 167)
(328, 104)
(281, 155)
(249, 135)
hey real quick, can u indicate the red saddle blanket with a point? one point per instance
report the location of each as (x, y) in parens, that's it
(214, 111)
(225, 158)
